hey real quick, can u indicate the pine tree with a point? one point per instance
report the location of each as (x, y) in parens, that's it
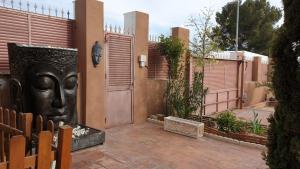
(284, 130)
(256, 26)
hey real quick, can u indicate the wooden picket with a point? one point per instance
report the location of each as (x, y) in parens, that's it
(16, 136)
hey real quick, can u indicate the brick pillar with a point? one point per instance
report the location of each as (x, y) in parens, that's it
(184, 35)
(256, 69)
(137, 23)
(89, 29)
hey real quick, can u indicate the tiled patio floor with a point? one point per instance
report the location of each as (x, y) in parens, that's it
(147, 146)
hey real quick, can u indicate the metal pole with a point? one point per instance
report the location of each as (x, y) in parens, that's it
(237, 26)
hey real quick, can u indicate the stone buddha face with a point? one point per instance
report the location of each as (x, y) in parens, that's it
(44, 82)
(52, 92)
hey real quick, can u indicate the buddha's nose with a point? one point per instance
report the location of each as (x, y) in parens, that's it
(59, 100)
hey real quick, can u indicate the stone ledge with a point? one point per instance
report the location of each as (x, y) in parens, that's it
(234, 141)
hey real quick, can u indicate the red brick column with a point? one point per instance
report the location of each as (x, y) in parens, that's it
(89, 29)
(138, 24)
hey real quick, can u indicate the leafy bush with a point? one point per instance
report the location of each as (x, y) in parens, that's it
(228, 122)
(172, 49)
(183, 99)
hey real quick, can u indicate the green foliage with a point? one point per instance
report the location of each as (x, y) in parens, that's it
(256, 26)
(172, 49)
(228, 122)
(255, 123)
(284, 130)
(183, 99)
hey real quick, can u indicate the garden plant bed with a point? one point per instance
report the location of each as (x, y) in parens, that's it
(211, 128)
(238, 136)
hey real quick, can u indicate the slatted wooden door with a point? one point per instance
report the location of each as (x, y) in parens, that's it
(119, 79)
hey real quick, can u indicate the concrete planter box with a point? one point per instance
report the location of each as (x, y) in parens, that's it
(184, 127)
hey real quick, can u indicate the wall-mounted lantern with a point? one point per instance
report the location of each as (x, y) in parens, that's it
(142, 60)
(96, 53)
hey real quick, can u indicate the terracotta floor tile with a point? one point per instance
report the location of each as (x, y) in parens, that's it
(148, 146)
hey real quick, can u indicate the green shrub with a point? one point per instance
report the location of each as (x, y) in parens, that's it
(284, 129)
(172, 49)
(228, 122)
(182, 98)
(255, 124)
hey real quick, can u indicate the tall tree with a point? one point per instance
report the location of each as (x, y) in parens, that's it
(202, 45)
(284, 132)
(256, 26)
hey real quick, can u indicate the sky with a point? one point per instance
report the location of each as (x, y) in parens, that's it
(163, 14)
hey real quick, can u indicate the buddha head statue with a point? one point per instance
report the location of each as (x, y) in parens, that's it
(44, 81)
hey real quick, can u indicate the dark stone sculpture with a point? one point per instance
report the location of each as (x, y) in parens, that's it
(96, 53)
(44, 81)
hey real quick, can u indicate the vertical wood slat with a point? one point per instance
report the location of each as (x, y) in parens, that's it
(39, 123)
(19, 119)
(27, 124)
(17, 149)
(3, 165)
(13, 119)
(64, 157)
(44, 150)
(6, 117)
(26, 120)
(6, 135)
(2, 143)
(50, 127)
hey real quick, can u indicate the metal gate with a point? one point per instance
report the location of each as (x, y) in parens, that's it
(119, 79)
(221, 78)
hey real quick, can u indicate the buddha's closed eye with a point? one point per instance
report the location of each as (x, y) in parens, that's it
(70, 82)
(43, 83)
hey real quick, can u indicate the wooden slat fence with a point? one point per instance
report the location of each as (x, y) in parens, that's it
(32, 29)
(17, 138)
(157, 64)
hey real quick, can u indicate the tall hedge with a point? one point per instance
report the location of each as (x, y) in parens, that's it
(284, 130)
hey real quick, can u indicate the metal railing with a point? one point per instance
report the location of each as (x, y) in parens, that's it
(35, 8)
(154, 38)
(118, 29)
(219, 101)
